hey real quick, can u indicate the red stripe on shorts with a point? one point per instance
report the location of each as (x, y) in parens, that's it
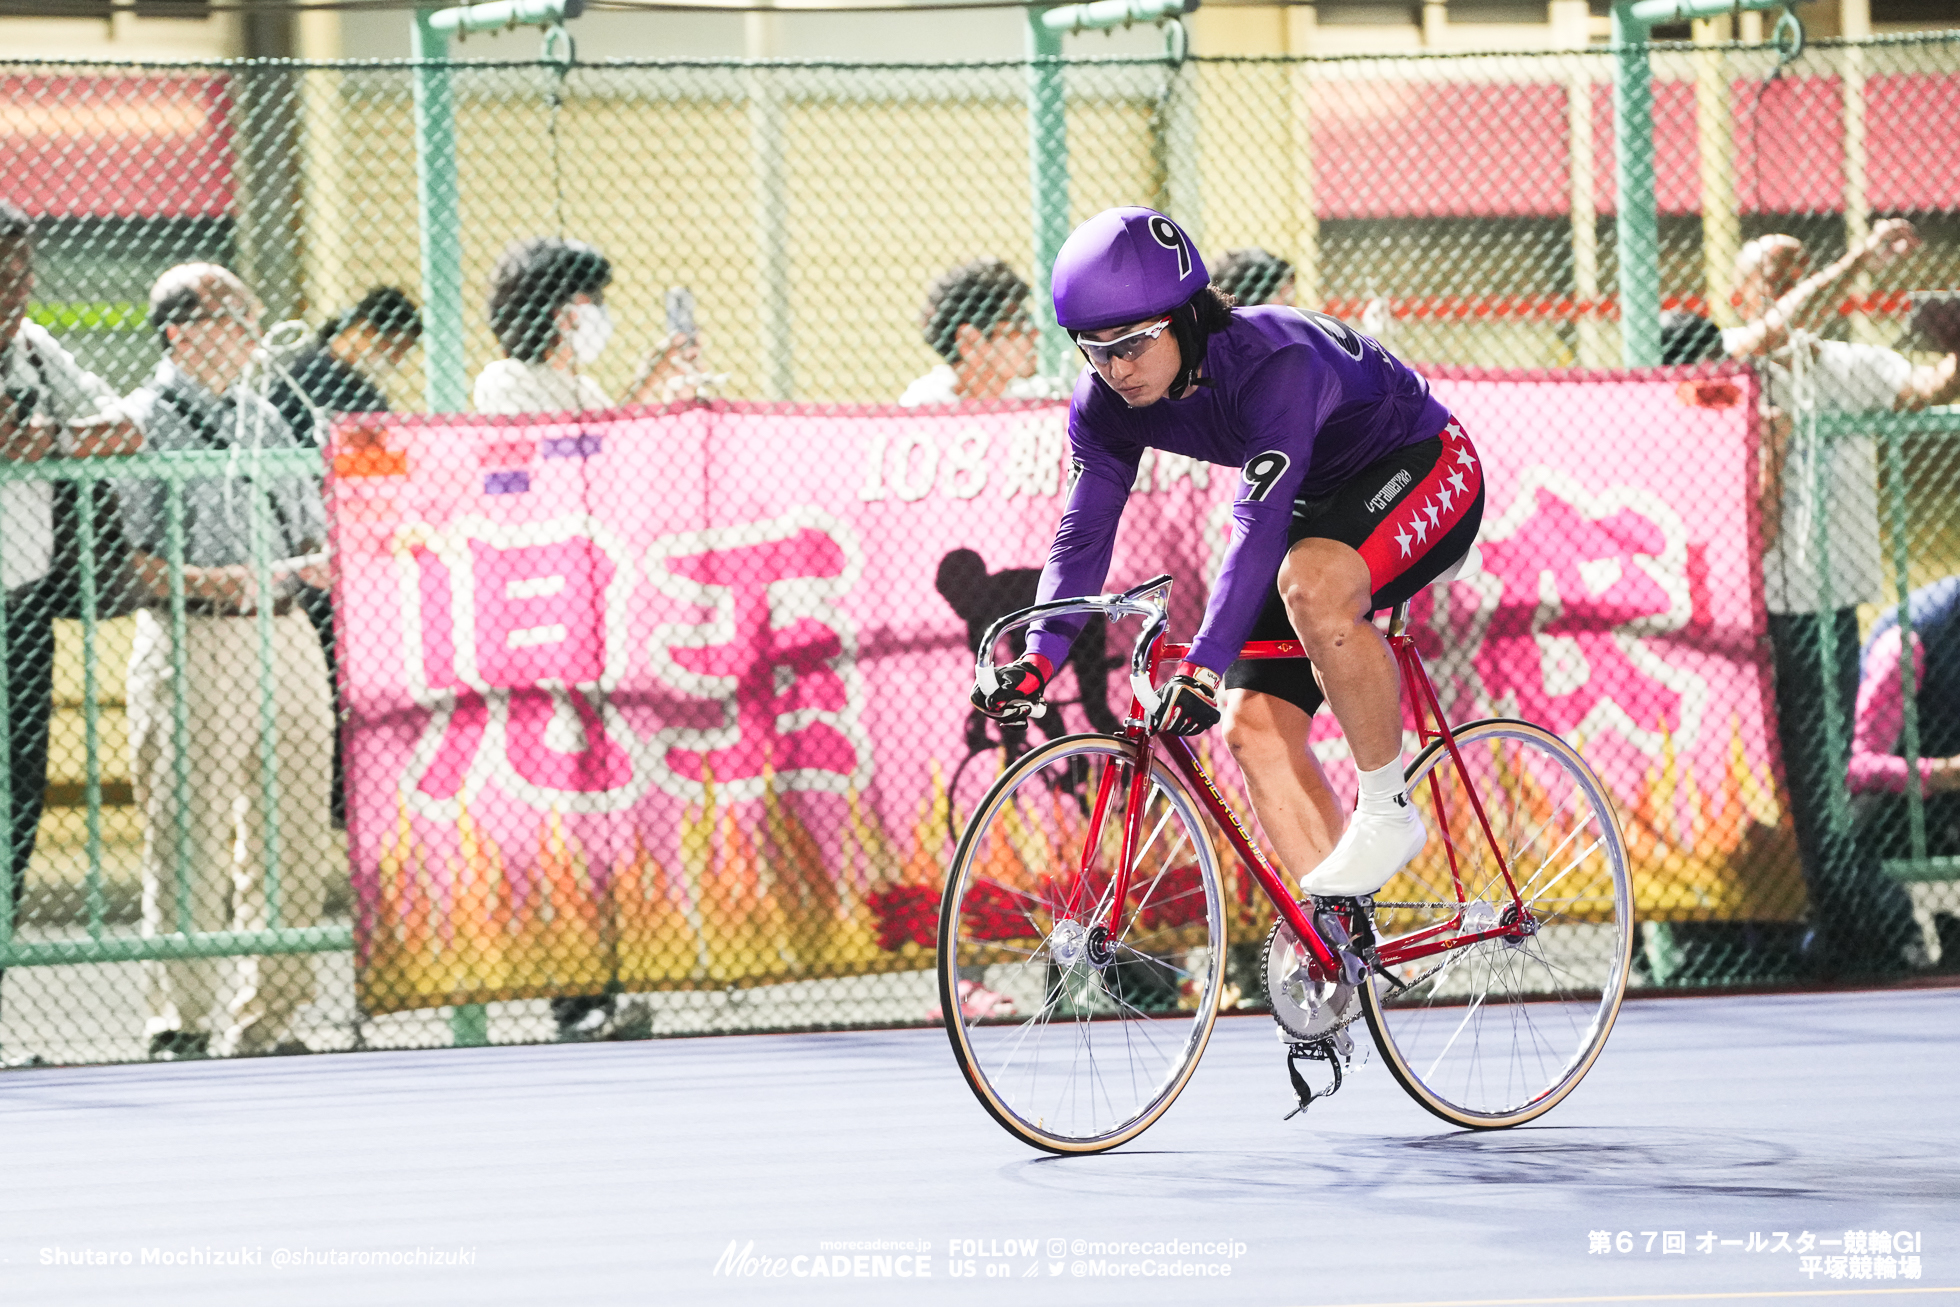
(1431, 509)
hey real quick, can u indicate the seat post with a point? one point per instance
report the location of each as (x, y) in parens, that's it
(1398, 619)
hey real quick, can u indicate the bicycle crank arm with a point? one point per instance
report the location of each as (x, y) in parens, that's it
(1325, 1050)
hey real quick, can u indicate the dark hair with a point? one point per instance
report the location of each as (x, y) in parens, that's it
(1688, 338)
(985, 292)
(535, 278)
(387, 309)
(15, 225)
(181, 305)
(1193, 323)
(1251, 276)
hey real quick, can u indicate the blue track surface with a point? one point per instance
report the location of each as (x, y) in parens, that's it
(621, 1173)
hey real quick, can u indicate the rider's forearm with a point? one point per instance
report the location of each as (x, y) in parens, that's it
(1078, 564)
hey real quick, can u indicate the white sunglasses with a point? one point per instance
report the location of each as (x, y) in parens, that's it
(1126, 347)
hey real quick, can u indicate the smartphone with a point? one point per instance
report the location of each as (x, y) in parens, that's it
(680, 312)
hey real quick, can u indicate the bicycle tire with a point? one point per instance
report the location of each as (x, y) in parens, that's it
(1092, 1053)
(1498, 1032)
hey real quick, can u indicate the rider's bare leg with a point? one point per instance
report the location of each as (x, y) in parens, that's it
(1290, 795)
(1328, 595)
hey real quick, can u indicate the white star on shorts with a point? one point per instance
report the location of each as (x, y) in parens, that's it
(1402, 538)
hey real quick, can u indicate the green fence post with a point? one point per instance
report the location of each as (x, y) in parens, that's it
(441, 223)
(442, 248)
(1047, 181)
(1636, 226)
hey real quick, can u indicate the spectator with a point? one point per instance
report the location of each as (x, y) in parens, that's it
(1878, 770)
(335, 373)
(1777, 298)
(976, 318)
(548, 309)
(1688, 338)
(1859, 919)
(331, 376)
(1878, 775)
(208, 323)
(53, 408)
(1252, 276)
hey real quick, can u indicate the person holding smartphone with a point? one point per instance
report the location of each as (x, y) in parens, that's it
(548, 309)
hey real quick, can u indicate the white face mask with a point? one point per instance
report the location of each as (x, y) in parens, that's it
(591, 328)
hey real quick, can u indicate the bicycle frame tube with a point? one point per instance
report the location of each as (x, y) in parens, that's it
(1284, 901)
(1154, 651)
(1422, 698)
(1185, 758)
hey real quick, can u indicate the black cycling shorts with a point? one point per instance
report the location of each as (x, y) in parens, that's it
(1410, 515)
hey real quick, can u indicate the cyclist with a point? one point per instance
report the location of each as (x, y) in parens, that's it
(1356, 489)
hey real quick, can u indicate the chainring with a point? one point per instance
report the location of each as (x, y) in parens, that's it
(1307, 1005)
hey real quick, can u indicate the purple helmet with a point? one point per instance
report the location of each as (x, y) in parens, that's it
(1124, 265)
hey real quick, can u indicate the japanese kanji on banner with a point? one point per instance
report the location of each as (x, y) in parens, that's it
(1617, 600)
(672, 698)
(660, 699)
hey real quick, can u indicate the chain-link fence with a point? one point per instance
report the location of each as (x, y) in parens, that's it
(611, 682)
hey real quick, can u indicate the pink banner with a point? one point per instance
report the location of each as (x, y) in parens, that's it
(1614, 597)
(673, 699)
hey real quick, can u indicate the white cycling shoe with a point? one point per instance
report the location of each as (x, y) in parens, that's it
(1372, 849)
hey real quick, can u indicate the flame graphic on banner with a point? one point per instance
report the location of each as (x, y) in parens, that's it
(749, 895)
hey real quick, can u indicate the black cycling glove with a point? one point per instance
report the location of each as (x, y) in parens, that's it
(1018, 689)
(1188, 703)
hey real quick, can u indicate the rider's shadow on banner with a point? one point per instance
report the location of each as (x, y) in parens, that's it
(982, 598)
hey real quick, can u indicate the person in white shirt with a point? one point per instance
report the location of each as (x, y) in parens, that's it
(1860, 921)
(548, 310)
(976, 318)
(53, 408)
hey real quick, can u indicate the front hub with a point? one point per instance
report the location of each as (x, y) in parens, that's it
(1101, 952)
(1068, 944)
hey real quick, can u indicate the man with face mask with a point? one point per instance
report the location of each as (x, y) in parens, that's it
(548, 309)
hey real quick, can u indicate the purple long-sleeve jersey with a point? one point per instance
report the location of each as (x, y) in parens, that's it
(1298, 401)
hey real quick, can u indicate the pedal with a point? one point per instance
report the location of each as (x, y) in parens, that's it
(1335, 1050)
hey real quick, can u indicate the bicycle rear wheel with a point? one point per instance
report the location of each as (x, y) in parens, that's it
(1074, 1040)
(1496, 1032)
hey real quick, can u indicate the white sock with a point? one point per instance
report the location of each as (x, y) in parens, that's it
(1381, 790)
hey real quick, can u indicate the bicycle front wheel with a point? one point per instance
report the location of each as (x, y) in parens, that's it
(1074, 1038)
(1495, 1032)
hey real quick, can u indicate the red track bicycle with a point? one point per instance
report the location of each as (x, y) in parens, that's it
(1084, 907)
